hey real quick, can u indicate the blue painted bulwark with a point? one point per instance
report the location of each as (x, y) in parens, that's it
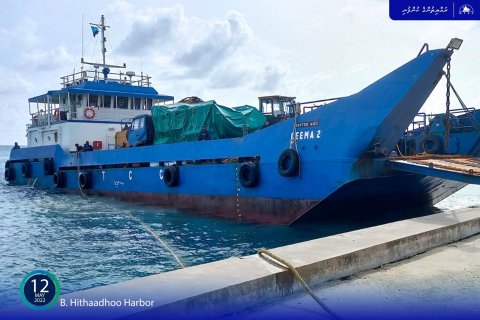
(339, 147)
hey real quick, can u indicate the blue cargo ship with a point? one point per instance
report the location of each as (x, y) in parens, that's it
(300, 164)
(457, 132)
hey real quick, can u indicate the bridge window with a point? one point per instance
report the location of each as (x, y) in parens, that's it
(107, 101)
(122, 102)
(137, 102)
(142, 104)
(93, 100)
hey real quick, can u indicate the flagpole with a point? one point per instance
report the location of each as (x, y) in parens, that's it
(100, 28)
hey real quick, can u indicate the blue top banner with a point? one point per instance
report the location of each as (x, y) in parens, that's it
(435, 9)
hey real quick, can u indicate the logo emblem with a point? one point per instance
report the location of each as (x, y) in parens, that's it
(465, 9)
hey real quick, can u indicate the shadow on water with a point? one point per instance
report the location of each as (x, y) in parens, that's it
(344, 221)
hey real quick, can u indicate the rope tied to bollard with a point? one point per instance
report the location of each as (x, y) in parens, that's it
(284, 264)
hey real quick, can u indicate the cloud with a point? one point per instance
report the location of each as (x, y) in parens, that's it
(45, 60)
(230, 75)
(153, 30)
(221, 42)
(16, 119)
(194, 45)
(222, 53)
(16, 83)
(25, 33)
(270, 78)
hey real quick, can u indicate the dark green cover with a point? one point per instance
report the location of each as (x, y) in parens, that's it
(183, 122)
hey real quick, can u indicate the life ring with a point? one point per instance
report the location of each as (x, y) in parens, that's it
(89, 113)
(48, 167)
(288, 163)
(85, 180)
(170, 176)
(248, 174)
(56, 114)
(59, 179)
(430, 144)
(26, 170)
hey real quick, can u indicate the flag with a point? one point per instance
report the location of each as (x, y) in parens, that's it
(94, 30)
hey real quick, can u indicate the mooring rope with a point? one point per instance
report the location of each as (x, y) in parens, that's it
(289, 266)
(156, 236)
(298, 110)
(399, 152)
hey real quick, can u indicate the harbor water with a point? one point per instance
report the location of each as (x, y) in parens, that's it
(94, 241)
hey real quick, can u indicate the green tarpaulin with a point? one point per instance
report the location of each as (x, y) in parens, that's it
(183, 122)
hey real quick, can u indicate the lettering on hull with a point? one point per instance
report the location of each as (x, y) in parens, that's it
(306, 135)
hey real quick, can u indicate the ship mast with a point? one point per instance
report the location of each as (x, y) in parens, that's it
(102, 28)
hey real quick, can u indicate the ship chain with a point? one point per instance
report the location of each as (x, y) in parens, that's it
(447, 114)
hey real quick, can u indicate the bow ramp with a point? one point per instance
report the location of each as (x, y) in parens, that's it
(464, 169)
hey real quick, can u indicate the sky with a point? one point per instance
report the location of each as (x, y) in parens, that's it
(224, 50)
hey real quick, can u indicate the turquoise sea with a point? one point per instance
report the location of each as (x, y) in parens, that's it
(89, 242)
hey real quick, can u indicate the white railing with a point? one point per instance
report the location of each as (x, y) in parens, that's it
(94, 75)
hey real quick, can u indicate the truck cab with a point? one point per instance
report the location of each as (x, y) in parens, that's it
(141, 131)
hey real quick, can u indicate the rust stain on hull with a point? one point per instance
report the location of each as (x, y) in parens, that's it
(260, 210)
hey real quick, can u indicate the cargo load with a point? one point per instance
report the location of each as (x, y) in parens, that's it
(183, 122)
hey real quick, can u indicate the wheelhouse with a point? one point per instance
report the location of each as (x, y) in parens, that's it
(277, 108)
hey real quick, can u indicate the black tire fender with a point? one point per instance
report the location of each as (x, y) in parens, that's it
(9, 174)
(85, 180)
(27, 169)
(48, 167)
(288, 163)
(59, 179)
(248, 174)
(430, 144)
(171, 176)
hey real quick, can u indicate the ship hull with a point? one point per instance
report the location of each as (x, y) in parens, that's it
(399, 193)
(333, 143)
(372, 195)
(259, 210)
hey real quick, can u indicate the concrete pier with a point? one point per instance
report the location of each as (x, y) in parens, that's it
(442, 283)
(224, 288)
